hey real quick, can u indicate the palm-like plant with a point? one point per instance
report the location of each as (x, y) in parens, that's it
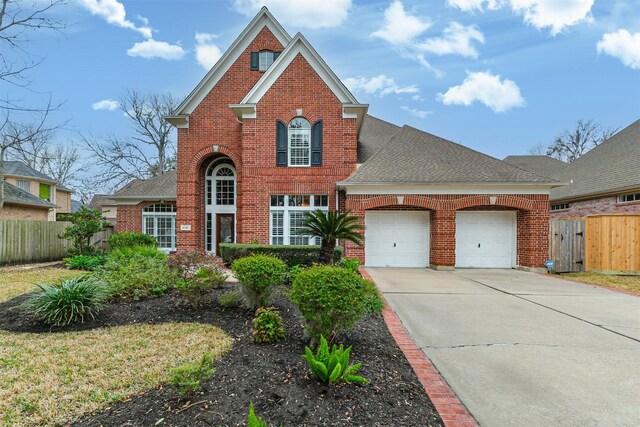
(331, 226)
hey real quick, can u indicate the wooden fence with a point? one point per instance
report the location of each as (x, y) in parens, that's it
(566, 245)
(23, 242)
(613, 243)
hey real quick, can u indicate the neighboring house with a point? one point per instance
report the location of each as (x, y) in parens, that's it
(20, 204)
(271, 133)
(605, 180)
(39, 185)
(108, 206)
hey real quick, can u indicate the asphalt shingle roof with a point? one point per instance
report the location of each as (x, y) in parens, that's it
(16, 168)
(541, 165)
(414, 156)
(374, 134)
(18, 196)
(163, 186)
(610, 166)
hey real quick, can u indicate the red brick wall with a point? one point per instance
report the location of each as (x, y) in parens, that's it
(532, 217)
(130, 217)
(596, 206)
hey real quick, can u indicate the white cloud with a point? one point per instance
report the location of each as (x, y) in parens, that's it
(399, 27)
(114, 13)
(301, 13)
(622, 45)
(155, 49)
(416, 113)
(379, 86)
(486, 88)
(207, 53)
(456, 40)
(555, 14)
(106, 104)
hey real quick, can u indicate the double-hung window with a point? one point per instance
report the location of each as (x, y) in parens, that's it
(24, 185)
(299, 142)
(287, 218)
(159, 221)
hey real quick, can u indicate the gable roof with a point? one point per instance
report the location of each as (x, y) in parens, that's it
(263, 19)
(415, 157)
(541, 164)
(20, 169)
(160, 187)
(18, 196)
(374, 134)
(611, 166)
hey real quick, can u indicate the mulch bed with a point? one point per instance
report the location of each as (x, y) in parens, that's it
(272, 376)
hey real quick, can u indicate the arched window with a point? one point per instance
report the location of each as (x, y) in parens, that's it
(299, 142)
(159, 221)
(221, 183)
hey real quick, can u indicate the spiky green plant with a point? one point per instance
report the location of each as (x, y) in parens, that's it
(254, 420)
(333, 366)
(331, 226)
(67, 302)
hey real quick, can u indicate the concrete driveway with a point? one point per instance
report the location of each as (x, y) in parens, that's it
(522, 349)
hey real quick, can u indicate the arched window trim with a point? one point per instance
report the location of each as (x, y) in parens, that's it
(299, 144)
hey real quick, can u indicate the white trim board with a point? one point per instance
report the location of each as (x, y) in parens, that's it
(446, 189)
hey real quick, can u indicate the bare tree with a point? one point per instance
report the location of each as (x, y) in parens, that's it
(538, 150)
(573, 144)
(151, 149)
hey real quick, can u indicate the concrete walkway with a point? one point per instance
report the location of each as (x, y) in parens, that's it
(522, 349)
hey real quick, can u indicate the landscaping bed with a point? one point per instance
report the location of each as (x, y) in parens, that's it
(272, 376)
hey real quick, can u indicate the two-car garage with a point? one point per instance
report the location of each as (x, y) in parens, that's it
(483, 239)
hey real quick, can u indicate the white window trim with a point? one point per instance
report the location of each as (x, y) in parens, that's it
(155, 216)
(621, 198)
(286, 209)
(214, 209)
(266, 53)
(308, 165)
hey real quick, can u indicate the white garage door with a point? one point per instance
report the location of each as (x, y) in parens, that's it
(396, 239)
(486, 239)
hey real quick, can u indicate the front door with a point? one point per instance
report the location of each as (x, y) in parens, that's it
(224, 230)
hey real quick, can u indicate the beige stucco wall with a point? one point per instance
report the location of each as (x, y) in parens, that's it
(10, 211)
(110, 211)
(63, 199)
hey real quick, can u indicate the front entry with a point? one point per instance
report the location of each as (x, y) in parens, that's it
(225, 232)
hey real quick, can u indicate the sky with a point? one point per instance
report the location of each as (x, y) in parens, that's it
(499, 76)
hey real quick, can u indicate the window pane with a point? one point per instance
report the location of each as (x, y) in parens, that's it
(277, 200)
(296, 222)
(321, 201)
(300, 201)
(148, 225)
(208, 191)
(209, 231)
(225, 192)
(265, 60)
(299, 142)
(277, 227)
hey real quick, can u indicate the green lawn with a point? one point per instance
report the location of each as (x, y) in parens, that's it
(627, 283)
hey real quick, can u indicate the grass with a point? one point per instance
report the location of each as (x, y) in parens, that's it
(52, 378)
(626, 283)
(14, 282)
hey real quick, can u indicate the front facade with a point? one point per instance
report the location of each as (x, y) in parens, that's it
(271, 133)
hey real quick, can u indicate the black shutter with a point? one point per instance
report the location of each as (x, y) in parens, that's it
(281, 143)
(316, 144)
(254, 60)
(275, 55)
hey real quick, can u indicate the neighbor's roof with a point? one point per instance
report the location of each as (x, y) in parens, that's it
(99, 200)
(417, 157)
(611, 166)
(374, 134)
(160, 187)
(541, 165)
(16, 168)
(18, 196)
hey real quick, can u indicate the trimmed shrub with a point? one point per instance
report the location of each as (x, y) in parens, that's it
(84, 262)
(290, 254)
(68, 301)
(229, 299)
(333, 366)
(258, 275)
(187, 378)
(190, 261)
(267, 325)
(331, 299)
(137, 272)
(196, 289)
(350, 264)
(293, 272)
(127, 239)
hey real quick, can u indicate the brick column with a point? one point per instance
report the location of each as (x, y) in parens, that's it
(442, 255)
(533, 238)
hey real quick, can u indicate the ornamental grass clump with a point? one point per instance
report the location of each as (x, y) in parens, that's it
(69, 301)
(333, 366)
(258, 276)
(188, 378)
(332, 299)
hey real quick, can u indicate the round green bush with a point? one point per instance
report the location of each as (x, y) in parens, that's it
(67, 302)
(258, 275)
(127, 239)
(332, 299)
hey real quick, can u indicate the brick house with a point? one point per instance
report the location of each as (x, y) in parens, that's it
(271, 132)
(605, 180)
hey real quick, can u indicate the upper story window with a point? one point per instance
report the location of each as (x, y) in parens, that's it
(262, 60)
(299, 142)
(45, 192)
(24, 185)
(629, 198)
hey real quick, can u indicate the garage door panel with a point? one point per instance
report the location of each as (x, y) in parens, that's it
(397, 239)
(485, 239)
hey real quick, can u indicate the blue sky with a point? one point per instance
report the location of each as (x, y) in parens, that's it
(499, 76)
